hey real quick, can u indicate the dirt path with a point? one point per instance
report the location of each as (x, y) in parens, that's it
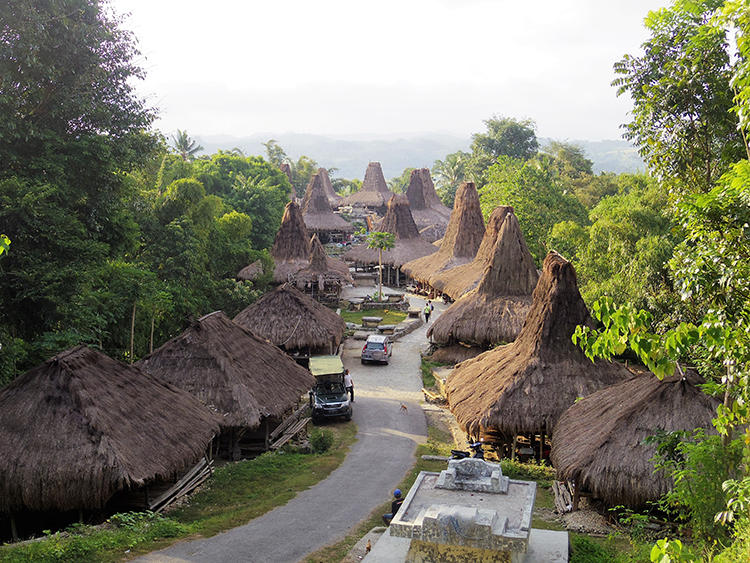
(386, 440)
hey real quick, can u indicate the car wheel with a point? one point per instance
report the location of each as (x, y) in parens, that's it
(362, 360)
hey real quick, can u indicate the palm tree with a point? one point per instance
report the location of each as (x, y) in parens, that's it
(381, 241)
(185, 146)
(449, 174)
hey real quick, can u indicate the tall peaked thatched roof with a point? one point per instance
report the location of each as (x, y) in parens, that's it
(599, 440)
(461, 241)
(494, 312)
(82, 426)
(328, 267)
(333, 198)
(294, 321)
(286, 168)
(374, 192)
(408, 245)
(241, 377)
(526, 385)
(426, 207)
(316, 209)
(461, 279)
(291, 247)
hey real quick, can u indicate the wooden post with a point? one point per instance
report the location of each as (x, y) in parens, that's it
(148, 500)
(513, 447)
(576, 496)
(398, 282)
(265, 425)
(13, 529)
(80, 515)
(541, 444)
(132, 332)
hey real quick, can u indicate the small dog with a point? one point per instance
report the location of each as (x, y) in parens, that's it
(368, 547)
(404, 408)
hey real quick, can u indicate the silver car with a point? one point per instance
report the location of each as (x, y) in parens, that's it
(377, 348)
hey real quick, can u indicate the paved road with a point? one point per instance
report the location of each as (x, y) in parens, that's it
(386, 440)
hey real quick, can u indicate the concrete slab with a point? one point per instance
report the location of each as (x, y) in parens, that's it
(389, 549)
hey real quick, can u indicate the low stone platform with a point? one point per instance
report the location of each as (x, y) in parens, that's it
(386, 329)
(371, 322)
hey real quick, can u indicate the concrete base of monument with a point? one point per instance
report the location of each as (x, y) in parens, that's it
(545, 546)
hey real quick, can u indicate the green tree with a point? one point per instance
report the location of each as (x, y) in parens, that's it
(399, 184)
(275, 153)
(537, 194)
(185, 146)
(506, 136)
(450, 173)
(4, 244)
(680, 87)
(381, 241)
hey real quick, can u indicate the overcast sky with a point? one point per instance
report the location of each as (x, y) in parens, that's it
(352, 67)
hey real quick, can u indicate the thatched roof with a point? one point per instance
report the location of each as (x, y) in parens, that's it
(286, 168)
(462, 238)
(322, 267)
(526, 385)
(460, 279)
(316, 209)
(291, 247)
(426, 207)
(599, 440)
(292, 320)
(82, 426)
(374, 192)
(333, 198)
(494, 312)
(250, 272)
(408, 245)
(235, 373)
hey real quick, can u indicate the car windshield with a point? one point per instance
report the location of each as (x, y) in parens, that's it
(330, 388)
(374, 345)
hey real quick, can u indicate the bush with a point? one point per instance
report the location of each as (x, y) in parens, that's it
(586, 550)
(321, 440)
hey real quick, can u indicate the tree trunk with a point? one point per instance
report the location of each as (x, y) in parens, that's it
(380, 274)
(132, 332)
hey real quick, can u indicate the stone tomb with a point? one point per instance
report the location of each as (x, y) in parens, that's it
(469, 512)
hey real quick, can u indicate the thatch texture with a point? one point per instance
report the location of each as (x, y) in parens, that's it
(374, 192)
(426, 207)
(599, 440)
(250, 272)
(235, 373)
(494, 312)
(462, 238)
(526, 385)
(291, 247)
(322, 268)
(82, 426)
(333, 198)
(316, 210)
(291, 320)
(458, 280)
(408, 245)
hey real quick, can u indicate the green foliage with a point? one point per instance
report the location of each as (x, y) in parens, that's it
(321, 439)
(666, 551)
(185, 146)
(399, 184)
(537, 194)
(585, 550)
(680, 87)
(506, 136)
(4, 244)
(740, 548)
(449, 174)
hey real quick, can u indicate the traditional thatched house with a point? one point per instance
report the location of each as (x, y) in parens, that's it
(408, 244)
(291, 247)
(294, 322)
(494, 312)
(374, 193)
(249, 382)
(251, 271)
(462, 238)
(318, 216)
(82, 429)
(324, 278)
(333, 198)
(426, 207)
(599, 441)
(286, 168)
(458, 280)
(525, 386)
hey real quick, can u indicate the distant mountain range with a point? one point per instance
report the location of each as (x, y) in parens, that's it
(351, 154)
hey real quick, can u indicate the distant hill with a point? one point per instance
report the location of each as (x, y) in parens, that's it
(351, 154)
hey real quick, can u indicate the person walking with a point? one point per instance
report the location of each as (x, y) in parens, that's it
(428, 308)
(349, 384)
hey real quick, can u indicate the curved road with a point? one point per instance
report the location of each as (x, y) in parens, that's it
(387, 437)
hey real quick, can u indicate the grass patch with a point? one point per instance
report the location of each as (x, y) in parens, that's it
(428, 380)
(236, 493)
(390, 317)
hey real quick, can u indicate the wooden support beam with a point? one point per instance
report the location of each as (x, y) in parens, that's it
(13, 529)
